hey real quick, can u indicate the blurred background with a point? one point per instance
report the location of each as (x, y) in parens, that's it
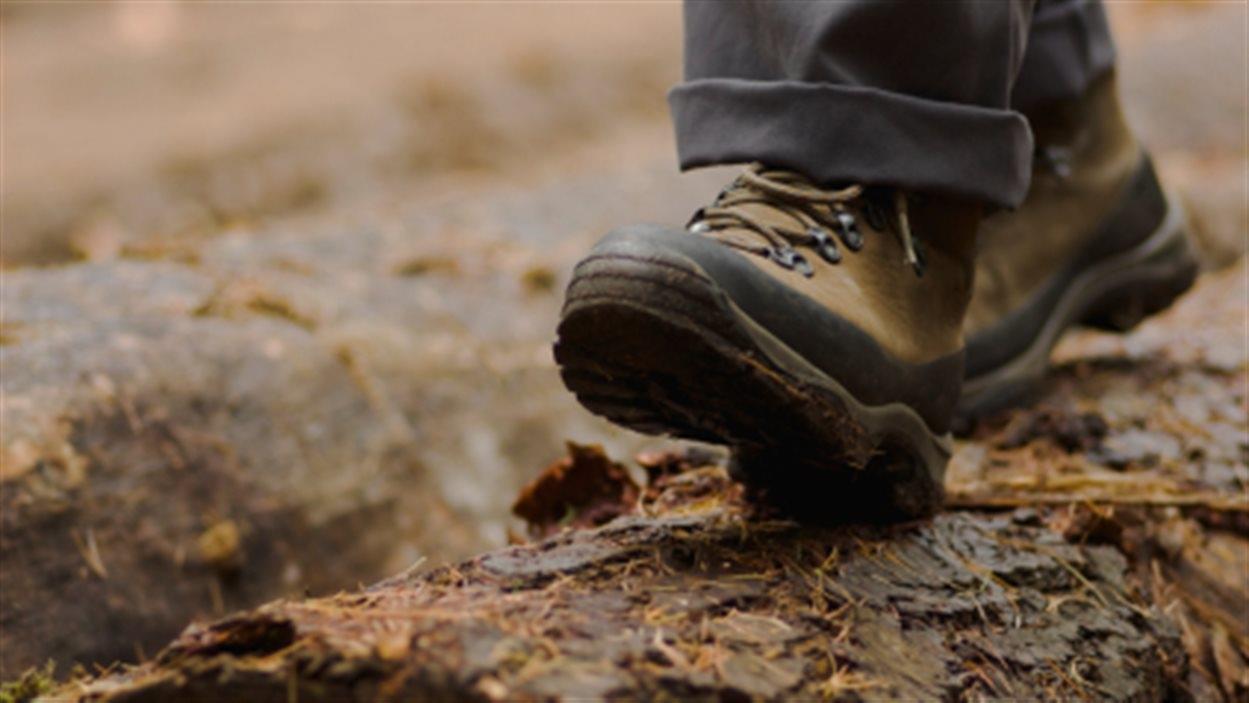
(280, 279)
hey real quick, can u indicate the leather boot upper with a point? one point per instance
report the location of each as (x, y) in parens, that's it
(1086, 157)
(898, 268)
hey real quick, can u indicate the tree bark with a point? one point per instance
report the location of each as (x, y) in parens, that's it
(701, 596)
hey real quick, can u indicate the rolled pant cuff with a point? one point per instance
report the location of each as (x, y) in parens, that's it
(848, 134)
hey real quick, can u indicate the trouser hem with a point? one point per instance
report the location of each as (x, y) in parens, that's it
(849, 134)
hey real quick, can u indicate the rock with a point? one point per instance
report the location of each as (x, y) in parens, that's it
(299, 385)
(159, 465)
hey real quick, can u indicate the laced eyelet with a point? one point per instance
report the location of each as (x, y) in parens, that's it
(1056, 159)
(822, 243)
(848, 230)
(826, 218)
(789, 259)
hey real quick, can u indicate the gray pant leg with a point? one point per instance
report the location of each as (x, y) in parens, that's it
(881, 92)
(1069, 46)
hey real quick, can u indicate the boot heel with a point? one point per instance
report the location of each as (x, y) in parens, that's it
(1143, 291)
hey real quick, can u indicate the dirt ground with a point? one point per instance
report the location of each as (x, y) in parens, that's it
(279, 280)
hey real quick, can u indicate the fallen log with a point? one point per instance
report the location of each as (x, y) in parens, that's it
(1096, 548)
(699, 595)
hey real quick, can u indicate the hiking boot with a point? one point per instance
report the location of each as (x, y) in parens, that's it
(1097, 242)
(817, 332)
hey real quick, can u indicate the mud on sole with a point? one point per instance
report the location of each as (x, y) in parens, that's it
(657, 347)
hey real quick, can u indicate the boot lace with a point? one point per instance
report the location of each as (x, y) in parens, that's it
(811, 214)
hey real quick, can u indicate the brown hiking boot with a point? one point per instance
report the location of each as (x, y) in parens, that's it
(816, 332)
(1097, 242)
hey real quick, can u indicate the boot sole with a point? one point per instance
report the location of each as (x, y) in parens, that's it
(658, 347)
(1114, 295)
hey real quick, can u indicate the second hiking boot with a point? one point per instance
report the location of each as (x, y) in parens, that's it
(1097, 242)
(815, 331)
